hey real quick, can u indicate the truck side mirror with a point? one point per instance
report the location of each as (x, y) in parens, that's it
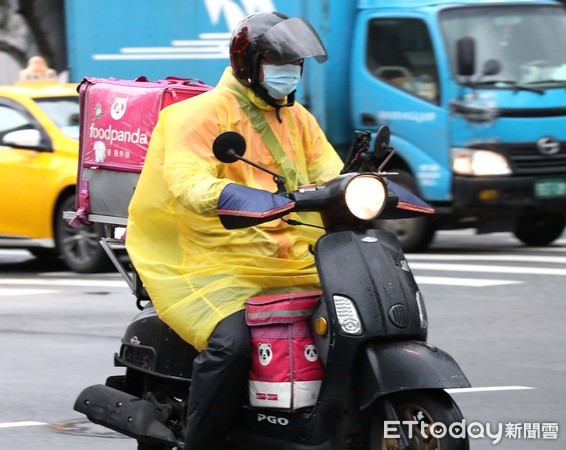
(466, 56)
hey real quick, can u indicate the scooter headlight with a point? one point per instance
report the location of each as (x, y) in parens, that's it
(365, 196)
(348, 317)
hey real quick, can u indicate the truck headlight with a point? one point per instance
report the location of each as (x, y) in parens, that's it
(348, 317)
(467, 161)
(365, 196)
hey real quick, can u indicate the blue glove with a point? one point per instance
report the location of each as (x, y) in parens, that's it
(241, 206)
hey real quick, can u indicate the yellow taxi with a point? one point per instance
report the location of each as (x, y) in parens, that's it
(39, 132)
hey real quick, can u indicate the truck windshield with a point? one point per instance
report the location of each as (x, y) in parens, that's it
(527, 40)
(64, 112)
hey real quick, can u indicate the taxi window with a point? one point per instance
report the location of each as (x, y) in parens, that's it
(11, 120)
(64, 112)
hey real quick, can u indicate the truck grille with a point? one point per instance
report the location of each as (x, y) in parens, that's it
(526, 159)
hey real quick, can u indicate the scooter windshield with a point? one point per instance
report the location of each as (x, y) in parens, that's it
(291, 40)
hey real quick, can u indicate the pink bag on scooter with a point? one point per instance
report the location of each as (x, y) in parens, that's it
(117, 120)
(286, 371)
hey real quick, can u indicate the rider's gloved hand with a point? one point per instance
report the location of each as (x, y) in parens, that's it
(241, 206)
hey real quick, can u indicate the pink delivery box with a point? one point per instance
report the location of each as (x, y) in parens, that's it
(117, 119)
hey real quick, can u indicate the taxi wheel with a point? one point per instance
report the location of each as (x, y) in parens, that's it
(80, 247)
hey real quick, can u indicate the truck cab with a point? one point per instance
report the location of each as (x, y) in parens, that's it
(474, 93)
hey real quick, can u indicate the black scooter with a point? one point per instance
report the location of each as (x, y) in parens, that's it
(383, 385)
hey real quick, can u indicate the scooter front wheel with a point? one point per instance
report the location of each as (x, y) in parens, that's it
(431, 420)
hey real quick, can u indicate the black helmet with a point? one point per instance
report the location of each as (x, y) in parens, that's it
(275, 37)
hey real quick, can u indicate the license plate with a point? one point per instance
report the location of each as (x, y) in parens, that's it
(554, 188)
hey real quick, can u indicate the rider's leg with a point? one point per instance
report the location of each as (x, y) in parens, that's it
(218, 384)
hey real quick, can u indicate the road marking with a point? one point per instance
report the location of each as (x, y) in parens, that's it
(510, 258)
(14, 292)
(470, 282)
(21, 424)
(487, 268)
(488, 389)
(51, 282)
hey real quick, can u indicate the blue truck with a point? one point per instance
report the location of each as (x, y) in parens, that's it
(474, 91)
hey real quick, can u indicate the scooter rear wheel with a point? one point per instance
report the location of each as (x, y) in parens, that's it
(426, 408)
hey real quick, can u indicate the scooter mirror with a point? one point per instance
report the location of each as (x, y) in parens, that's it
(381, 144)
(229, 147)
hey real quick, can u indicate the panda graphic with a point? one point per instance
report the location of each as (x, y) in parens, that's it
(265, 354)
(118, 108)
(311, 353)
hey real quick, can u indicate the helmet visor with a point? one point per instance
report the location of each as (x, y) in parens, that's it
(291, 40)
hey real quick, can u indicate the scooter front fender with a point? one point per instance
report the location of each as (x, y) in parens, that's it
(400, 366)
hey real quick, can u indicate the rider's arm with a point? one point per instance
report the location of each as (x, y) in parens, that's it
(195, 178)
(190, 170)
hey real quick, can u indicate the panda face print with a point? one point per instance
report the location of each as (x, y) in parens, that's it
(265, 354)
(311, 353)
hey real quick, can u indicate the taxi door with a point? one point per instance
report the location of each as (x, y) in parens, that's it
(24, 171)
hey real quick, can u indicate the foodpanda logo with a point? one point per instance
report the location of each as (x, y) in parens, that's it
(265, 354)
(311, 353)
(118, 108)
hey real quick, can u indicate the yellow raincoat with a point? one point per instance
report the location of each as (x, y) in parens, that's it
(195, 271)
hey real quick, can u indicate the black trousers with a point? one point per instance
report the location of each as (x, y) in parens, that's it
(218, 384)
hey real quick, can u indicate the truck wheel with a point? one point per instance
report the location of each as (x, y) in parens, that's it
(425, 408)
(79, 247)
(540, 229)
(416, 234)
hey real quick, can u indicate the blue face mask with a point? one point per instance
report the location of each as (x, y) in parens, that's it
(280, 81)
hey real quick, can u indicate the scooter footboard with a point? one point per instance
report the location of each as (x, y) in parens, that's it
(399, 366)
